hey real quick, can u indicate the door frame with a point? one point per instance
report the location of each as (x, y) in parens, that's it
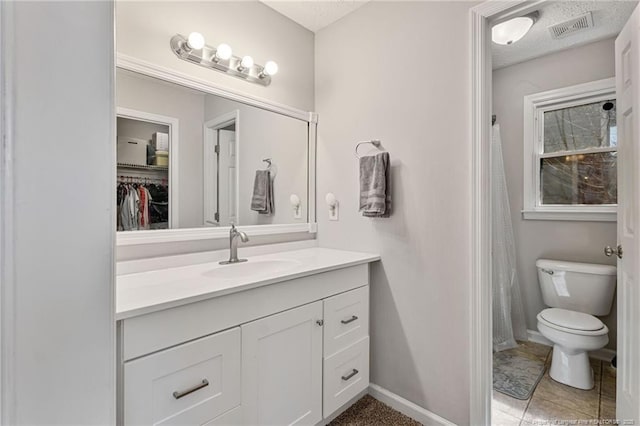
(209, 129)
(7, 203)
(482, 17)
(174, 170)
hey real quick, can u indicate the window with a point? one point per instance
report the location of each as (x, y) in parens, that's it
(570, 158)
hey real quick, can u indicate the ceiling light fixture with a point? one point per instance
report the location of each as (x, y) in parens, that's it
(194, 49)
(508, 32)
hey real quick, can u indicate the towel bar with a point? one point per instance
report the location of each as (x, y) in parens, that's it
(373, 142)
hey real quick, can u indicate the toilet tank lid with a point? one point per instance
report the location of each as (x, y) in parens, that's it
(571, 319)
(587, 268)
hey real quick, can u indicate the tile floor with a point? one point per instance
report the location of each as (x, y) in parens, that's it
(555, 403)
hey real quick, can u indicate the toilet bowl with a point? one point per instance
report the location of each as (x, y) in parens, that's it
(573, 334)
(574, 292)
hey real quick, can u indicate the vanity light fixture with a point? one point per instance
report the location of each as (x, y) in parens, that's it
(510, 31)
(195, 50)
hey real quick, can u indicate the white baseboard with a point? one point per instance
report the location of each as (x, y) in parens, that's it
(407, 408)
(603, 354)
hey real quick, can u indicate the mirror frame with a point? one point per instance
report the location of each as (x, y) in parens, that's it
(127, 238)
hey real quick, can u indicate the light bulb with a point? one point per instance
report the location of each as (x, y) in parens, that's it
(247, 62)
(270, 68)
(195, 41)
(224, 52)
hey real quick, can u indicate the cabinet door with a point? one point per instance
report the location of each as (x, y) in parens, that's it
(282, 368)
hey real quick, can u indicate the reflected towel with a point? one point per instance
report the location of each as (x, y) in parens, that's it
(375, 188)
(262, 199)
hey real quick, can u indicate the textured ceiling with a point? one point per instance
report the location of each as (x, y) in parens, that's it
(608, 19)
(314, 14)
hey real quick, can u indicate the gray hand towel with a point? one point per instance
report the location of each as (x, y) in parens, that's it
(375, 188)
(262, 199)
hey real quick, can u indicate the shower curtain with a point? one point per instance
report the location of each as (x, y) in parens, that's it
(508, 312)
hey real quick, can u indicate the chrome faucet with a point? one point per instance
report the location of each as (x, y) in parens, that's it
(233, 245)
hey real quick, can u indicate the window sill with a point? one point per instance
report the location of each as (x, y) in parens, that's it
(589, 216)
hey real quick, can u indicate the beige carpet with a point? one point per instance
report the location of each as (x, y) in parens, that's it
(370, 411)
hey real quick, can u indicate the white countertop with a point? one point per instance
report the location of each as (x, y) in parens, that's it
(145, 292)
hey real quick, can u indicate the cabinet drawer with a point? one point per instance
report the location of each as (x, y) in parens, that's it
(346, 373)
(346, 319)
(190, 384)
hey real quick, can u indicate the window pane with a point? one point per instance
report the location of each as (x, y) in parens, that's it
(581, 127)
(579, 179)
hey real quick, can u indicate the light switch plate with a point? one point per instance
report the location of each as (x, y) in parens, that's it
(333, 213)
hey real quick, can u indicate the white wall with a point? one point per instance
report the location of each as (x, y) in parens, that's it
(249, 27)
(564, 240)
(151, 95)
(63, 348)
(265, 134)
(399, 72)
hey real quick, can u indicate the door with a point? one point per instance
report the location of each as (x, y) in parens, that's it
(227, 181)
(628, 103)
(282, 368)
(220, 198)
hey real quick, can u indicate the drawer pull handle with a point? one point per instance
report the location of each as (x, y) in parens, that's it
(347, 321)
(350, 375)
(203, 384)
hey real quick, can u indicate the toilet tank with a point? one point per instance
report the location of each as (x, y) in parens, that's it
(582, 287)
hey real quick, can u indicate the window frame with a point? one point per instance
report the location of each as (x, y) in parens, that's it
(535, 106)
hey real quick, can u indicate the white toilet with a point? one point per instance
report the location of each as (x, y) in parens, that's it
(575, 293)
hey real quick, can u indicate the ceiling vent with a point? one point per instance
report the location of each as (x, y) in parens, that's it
(572, 26)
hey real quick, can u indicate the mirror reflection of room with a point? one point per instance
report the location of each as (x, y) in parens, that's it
(190, 159)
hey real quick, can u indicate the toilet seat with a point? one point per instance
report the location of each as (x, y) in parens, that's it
(572, 322)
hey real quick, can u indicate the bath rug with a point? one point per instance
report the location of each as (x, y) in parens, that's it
(516, 375)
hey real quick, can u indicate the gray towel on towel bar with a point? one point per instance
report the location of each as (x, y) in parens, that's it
(375, 188)
(262, 199)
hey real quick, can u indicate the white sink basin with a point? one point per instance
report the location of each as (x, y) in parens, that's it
(255, 268)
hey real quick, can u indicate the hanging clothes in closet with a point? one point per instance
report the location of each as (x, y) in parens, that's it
(142, 206)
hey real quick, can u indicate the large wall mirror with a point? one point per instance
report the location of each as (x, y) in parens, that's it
(191, 159)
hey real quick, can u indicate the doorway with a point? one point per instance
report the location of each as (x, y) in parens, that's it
(145, 161)
(483, 17)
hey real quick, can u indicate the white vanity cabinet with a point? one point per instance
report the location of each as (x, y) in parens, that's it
(290, 352)
(282, 368)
